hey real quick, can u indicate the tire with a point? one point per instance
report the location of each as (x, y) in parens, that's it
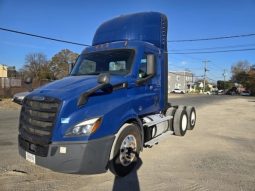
(170, 112)
(181, 107)
(126, 151)
(192, 117)
(180, 122)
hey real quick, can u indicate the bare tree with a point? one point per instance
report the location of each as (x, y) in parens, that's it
(244, 73)
(239, 69)
(37, 66)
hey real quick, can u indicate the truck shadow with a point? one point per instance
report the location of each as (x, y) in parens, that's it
(129, 182)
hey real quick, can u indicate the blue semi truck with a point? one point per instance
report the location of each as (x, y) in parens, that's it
(112, 105)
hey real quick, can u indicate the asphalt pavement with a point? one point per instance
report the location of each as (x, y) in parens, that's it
(219, 154)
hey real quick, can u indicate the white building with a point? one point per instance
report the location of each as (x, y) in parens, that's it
(182, 80)
(3, 71)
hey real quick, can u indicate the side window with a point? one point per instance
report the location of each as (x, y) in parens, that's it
(143, 67)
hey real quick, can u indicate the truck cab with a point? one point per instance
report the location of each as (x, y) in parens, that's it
(112, 105)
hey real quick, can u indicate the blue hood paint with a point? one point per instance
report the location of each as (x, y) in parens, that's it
(73, 86)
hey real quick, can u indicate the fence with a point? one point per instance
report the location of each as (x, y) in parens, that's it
(10, 82)
(11, 86)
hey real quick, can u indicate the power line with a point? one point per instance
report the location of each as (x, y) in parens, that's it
(80, 44)
(211, 52)
(213, 38)
(213, 48)
(214, 75)
(42, 37)
(212, 79)
(189, 56)
(183, 74)
(217, 68)
(188, 66)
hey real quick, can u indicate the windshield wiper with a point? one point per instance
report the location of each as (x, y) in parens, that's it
(91, 73)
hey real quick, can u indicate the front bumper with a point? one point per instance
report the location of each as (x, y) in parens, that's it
(74, 157)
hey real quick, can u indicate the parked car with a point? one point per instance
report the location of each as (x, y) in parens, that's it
(232, 91)
(18, 97)
(220, 92)
(245, 93)
(214, 92)
(178, 91)
(208, 93)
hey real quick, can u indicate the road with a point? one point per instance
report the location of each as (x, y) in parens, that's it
(196, 100)
(219, 154)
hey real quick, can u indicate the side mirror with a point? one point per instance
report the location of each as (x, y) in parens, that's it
(150, 64)
(103, 78)
(28, 80)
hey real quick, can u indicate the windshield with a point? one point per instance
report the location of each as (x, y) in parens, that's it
(116, 62)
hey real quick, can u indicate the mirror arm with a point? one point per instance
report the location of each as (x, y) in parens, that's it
(143, 80)
(103, 80)
(84, 97)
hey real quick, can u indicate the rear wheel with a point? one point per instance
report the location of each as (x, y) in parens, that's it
(191, 117)
(180, 122)
(170, 112)
(126, 151)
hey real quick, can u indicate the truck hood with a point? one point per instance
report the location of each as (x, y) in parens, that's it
(73, 86)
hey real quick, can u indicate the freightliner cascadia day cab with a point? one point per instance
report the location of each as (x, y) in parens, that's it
(112, 105)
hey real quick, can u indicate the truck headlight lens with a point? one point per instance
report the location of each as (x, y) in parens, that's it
(84, 128)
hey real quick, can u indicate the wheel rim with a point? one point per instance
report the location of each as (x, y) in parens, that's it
(193, 118)
(127, 150)
(184, 122)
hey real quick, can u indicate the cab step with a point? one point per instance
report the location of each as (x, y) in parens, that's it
(157, 139)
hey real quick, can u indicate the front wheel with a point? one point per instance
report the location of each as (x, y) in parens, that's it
(126, 151)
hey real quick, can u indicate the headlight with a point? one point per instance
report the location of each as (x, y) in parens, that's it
(84, 128)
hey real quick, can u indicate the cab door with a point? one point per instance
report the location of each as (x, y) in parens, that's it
(147, 87)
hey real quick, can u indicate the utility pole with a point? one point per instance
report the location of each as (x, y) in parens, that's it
(224, 76)
(184, 81)
(205, 70)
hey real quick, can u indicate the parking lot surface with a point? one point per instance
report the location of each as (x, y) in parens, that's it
(219, 154)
